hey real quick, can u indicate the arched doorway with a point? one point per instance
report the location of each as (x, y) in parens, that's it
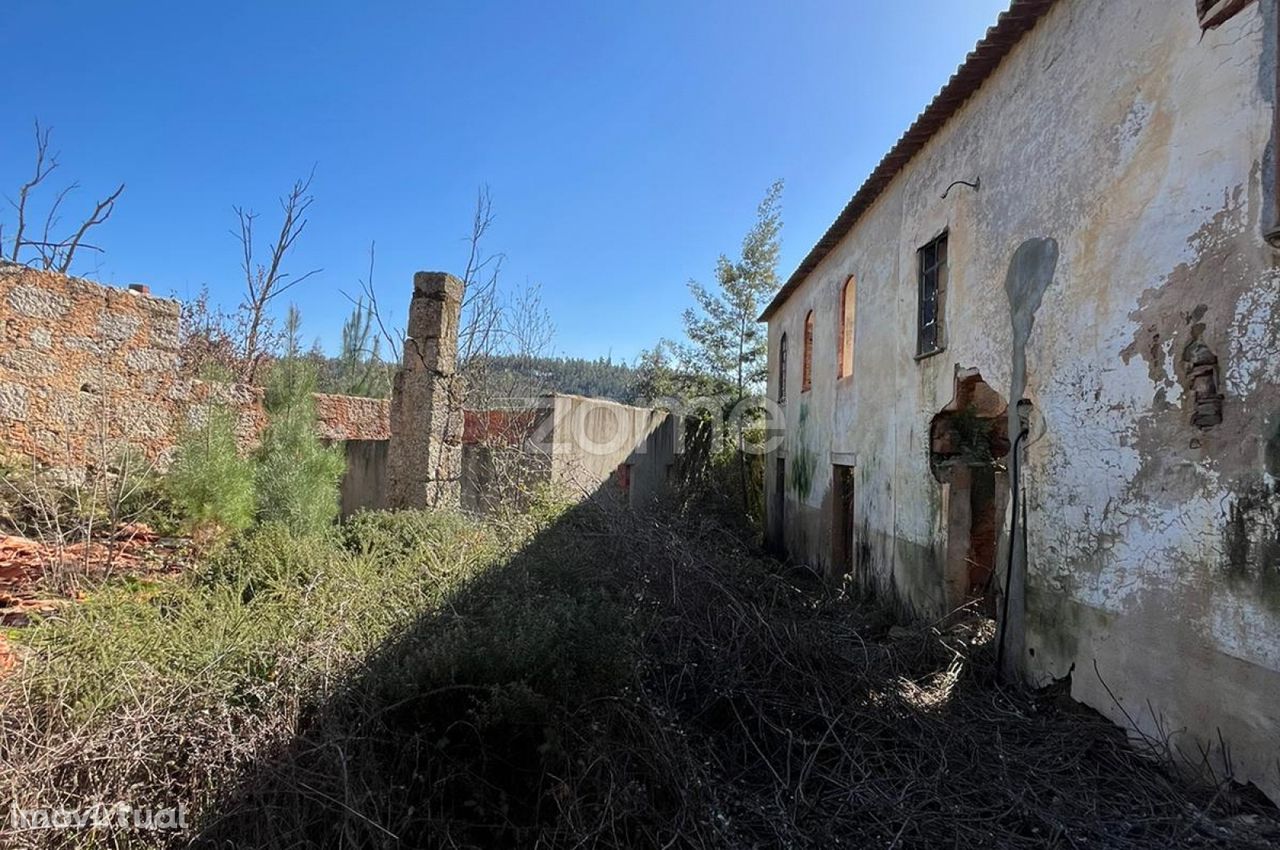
(968, 444)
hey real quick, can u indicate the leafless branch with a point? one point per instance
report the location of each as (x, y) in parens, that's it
(101, 213)
(369, 298)
(481, 309)
(50, 222)
(264, 283)
(45, 165)
(52, 253)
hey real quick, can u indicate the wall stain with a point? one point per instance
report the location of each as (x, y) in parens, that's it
(803, 461)
(1251, 538)
(1031, 272)
(1197, 309)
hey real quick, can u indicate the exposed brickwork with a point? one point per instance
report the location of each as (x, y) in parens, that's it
(86, 368)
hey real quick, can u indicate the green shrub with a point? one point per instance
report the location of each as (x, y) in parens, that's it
(209, 485)
(298, 476)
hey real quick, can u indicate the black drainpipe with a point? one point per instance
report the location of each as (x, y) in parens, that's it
(1013, 542)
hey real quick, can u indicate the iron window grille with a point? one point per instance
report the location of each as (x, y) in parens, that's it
(930, 338)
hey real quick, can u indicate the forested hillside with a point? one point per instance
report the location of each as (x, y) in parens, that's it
(515, 375)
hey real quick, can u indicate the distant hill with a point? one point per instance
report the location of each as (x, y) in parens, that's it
(601, 378)
(508, 375)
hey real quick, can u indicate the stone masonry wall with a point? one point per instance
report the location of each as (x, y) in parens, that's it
(424, 458)
(87, 369)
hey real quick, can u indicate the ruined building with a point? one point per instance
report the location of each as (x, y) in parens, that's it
(1074, 250)
(441, 454)
(89, 372)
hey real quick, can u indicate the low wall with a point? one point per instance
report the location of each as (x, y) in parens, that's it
(585, 447)
(602, 448)
(87, 370)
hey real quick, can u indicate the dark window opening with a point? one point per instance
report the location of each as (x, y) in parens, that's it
(933, 289)
(782, 370)
(842, 527)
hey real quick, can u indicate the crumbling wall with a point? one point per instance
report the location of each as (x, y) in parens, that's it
(585, 448)
(88, 370)
(603, 448)
(1112, 270)
(424, 461)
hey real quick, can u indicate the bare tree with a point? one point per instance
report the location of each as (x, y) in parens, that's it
(481, 305)
(368, 300)
(512, 325)
(264, 282)
(49, 252)
(209, 339)
(494, 323)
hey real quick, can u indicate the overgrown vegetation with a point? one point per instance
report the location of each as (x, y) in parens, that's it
(210, 484)
(81, 516)
(297, 475)
(582, 678)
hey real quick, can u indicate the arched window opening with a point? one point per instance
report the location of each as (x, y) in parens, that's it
(782, 370)
(848, 326)
(806, 380)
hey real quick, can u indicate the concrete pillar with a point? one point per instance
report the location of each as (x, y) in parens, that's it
(424, 458)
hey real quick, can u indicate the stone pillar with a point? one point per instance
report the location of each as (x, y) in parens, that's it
(424, 458)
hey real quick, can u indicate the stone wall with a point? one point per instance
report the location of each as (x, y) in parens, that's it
(87, 370)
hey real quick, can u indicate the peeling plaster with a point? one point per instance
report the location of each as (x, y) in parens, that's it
(1145, 148)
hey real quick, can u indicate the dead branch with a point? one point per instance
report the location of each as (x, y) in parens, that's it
(53, 254)
(481, 309)
(369, 298)
(265, 282)
(101, 213)
(45, 165)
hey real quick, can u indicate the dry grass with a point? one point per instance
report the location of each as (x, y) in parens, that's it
(600, 681)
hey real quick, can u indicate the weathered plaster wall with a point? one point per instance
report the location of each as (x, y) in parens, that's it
(589, 439)
(577, 445)
(1141, 147)
(87, 370)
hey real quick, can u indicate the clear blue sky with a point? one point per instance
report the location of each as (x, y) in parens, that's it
(625, 144)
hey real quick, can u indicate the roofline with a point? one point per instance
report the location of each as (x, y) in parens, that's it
(978, 66)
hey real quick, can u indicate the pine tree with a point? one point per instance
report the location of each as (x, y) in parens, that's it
(298, 475)
(360, 368)
(727, 347)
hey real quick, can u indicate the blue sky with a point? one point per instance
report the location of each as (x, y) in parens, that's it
(625, 145)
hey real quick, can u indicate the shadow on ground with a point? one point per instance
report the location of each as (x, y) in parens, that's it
(651, 681)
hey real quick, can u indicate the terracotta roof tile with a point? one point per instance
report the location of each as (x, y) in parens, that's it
(998, 43)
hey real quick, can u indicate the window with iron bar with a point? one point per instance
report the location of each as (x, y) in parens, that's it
(932, 258)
